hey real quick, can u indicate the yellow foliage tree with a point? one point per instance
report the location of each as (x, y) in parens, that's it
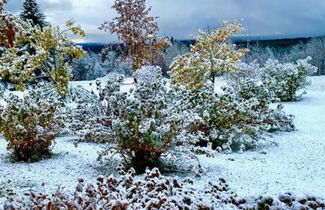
(212, 54)
(41, 52)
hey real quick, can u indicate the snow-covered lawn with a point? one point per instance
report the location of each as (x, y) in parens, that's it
(296, 164)
(67, 165)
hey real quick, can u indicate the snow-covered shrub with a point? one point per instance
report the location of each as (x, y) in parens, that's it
(73, 111)
(275, 119)
(217, 121)
(155, 191)
(233, 120)
(286, 80)
(283, 201)
(141, 122)
(244, 71)
(29, 126)
(148, 74)
(87, 121)
(128, 191)
(278, 120)
(237, 121)
(247, 82)
(90, 116)
(75, 94)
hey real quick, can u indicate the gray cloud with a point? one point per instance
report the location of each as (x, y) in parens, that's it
(183, 18)
(50, 5)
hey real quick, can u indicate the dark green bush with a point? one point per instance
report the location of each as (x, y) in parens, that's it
(141, 121)
(28, 124)
(286, 80)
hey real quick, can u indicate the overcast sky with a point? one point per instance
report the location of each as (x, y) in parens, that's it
(182, 18)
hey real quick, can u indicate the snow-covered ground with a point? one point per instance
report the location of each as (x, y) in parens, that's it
(63, 169)
(296, 164)
(91, 85)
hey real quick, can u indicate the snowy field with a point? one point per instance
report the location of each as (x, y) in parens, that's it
(296, 163)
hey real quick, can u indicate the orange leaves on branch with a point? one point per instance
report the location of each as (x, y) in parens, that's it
(137, 31)
(7, 26)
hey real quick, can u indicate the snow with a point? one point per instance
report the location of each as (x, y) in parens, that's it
(91, 84)
(295, 164)
(62, 170)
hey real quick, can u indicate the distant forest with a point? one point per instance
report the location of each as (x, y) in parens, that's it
(284, 50)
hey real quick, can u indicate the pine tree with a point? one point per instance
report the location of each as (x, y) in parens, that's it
(31, 12)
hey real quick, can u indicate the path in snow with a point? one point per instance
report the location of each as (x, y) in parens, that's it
(296, 165)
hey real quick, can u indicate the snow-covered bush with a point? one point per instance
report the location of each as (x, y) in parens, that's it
(141, 122)
(244, 71)
(247, 82)
(234, 123)
(148, 74)
(154, 191)
(77, 113)
(29, 126)
(80, 122)
(286, 80)
(283, 201)
(75, 94)
(127, 191)
(87, 121)
(233, 120)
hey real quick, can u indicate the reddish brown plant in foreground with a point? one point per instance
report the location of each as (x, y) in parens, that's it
(7, 26)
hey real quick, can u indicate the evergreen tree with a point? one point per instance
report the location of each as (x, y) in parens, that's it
(31, 12)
